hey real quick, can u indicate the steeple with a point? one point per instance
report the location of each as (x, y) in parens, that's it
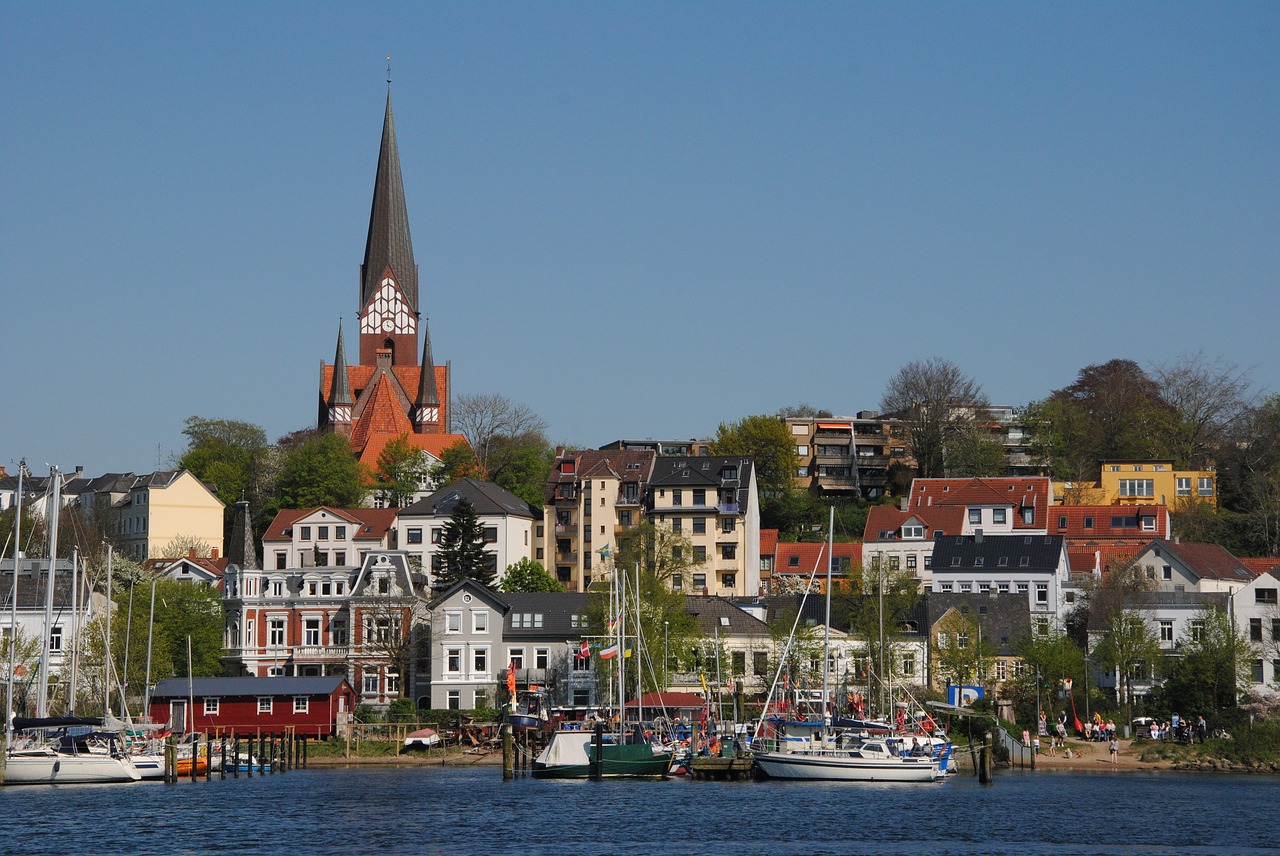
(241, 551)
(340, 400)
(388, 244)
(426, 405)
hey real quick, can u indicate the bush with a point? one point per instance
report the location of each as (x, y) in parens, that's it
(402, 710)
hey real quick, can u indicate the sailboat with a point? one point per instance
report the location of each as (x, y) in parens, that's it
(578, 753)
(60, 750)
(823, 751)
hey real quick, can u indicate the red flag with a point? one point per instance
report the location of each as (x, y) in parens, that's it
(511, 678)
(584, 653)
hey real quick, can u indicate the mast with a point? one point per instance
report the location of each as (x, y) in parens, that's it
(151, 626)
(106, 675)
(639, 670)
(55, 496)
(826, 624)
(75, 631)
(13, 607)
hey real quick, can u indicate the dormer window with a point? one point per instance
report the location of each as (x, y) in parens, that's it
(914, 531)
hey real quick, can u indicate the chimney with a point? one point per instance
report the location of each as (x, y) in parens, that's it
(191, 552)
(977, 536)
(213, 554)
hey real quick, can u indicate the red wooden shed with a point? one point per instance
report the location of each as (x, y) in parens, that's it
(307, 706)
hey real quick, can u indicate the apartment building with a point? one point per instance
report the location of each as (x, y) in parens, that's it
(1153, 482)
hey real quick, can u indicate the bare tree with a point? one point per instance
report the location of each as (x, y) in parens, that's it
(1208, 396)
(484, 419)
(934, 399)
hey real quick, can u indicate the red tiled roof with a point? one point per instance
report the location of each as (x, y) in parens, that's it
(434, 444)
(382, 414)
(1105, 557)
(217, 567)
(377, 521)
(768, 542)
(1075, 516)
(886, 518)
(1263, 565)
(1019, 492)
(810, 554)
(1207, 560)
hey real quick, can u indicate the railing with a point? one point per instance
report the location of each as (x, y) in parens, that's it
(627, 502)
(567, 556)
(566, 528)
(310, 652)
(728, 508)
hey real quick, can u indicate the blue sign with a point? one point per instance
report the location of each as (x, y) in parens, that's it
(962, 696)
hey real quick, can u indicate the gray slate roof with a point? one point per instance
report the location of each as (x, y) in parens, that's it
(229, 687)
(1004, 619)
(487, 498)
(1042, 552)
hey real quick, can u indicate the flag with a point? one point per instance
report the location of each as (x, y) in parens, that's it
(511, 677)
(584, 652)
(627, 652)
(609, 651)
(604, 551)
(612, 623)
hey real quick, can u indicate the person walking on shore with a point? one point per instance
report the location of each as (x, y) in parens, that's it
(1115, 751)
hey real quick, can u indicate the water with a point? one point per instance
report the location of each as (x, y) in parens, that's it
(463, 811)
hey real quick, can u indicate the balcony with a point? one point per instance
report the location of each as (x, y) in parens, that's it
(566, 529)
(321, 652)
(828, 458)
(873, 461)
(567, 557)
(627, 502)
(566, 497)
(730, 508)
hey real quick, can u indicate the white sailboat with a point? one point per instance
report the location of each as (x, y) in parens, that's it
(60, 750)
(820, 752)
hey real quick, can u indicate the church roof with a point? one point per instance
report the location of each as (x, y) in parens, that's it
(388, 243)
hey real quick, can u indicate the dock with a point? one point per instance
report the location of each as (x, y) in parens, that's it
(722, 769)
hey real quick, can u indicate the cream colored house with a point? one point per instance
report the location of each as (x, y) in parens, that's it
(148, 512)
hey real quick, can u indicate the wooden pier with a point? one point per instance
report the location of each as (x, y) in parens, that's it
(722, 769)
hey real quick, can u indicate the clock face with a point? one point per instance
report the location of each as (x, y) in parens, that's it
(387, 312)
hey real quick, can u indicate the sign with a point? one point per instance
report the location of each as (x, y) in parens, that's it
(963, 696)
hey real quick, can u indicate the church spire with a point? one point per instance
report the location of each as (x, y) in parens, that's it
(340, 388)
(388, 244)
(427, 403)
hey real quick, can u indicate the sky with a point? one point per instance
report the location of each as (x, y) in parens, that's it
(638, 219)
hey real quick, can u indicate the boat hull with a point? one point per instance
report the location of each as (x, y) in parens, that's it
(570, 755)
(50, 769)
(832, 767)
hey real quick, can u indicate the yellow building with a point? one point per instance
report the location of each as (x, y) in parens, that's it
(148, 512)
(1141, 483)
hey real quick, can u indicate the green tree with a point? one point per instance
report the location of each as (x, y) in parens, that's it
(182, 545)
(934, 400)
(765, 439)
(236, 459)
(1129, 648)
(528, 575)
(462, 553)
(1115, 412)
(400, 468)
(457, 462)
(1212, 667)
(322, 471)
(974, 453)
(1053, 658)
(1206, 396)
(874, 608)
(962, 655)
(521, 465)
(26, 662)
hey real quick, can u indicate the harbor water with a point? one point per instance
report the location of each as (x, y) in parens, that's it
(463, 811)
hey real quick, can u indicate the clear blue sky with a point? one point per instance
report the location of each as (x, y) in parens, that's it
(640, 219)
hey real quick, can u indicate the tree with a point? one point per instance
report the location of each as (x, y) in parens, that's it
(181, 546)
(934, 399)
(26, 662)
(322, 471)
(803, 410)
(522, 465)
(1053, 658)
(961, 656)
(457, 462)
(1212, 667)
(1118, 412)
(1207, 397)
(527, 575)
(1059, 432)
(973, 453)
(883, 599)
(1129, 648)
(462, 554)
(484, 418)
(765, 439)
(393, 627)
(236, 459)
(400, 470)
(1249, 477)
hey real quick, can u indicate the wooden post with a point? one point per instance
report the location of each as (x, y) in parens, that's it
(984, 760)
(249, 743)
(304, 751)
(595, 767)
(508, 753)
(235, 755)
(195, 756)
(170, 761)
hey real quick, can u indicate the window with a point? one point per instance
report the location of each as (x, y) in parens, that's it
(944, 639)
(1255, 629)
(264, 704)
(913, 532)
(998, 515)
(340, 533)
(1257, 671)
(728, 551)
(413, 535)
(962, 639)
(275, 632)
(1022, 588)
(677, 582)
(802, 449)
(311, 631)
(282, 559)
(975, 515)
(1001, 670)
(541, 658)
(211, 707)
(624, 517)
(728, 524)
(728, 580)
(1275, 629)
(955, 561)
(1195, 628)
(1137, 487)
(984, 588)
(322, 533)
(1166, 573)
(1062, 521)
(1088, 523)
(491, 534)
(300, 704)
(277, 588)
(908, 665)
(55, 639)
(453, 622)
(700, 553)
(436, 534)
(677, 524)
(480, 660)
(966, 587)
(1204, 486)
(1042, 593)
(453, 660)
(526, 619)
(1028, 515)
(911, 561)
(978, 561)
(338, 632)
(700, 581)
(677, 497)
(699, 525)
(699, 496)
(1002, 588)
(945, 587)
(1024, 561)
(480, 621)
(1166, 631)
(454, 699)
(1184, 486)
(1124, 521)
(1148, 523)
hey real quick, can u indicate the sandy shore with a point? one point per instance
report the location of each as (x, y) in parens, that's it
(1097, 756)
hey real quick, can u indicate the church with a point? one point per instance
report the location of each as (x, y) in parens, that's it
(390, 391)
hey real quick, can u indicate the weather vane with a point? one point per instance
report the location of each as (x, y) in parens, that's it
(388, 69)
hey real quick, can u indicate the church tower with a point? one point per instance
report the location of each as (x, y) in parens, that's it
(388, 393)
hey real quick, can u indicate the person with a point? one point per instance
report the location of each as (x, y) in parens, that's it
(1035, 744)
(1201, 728)
(1062, 732)
(1115, 751)
(1154, 731)
(1053, 746)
